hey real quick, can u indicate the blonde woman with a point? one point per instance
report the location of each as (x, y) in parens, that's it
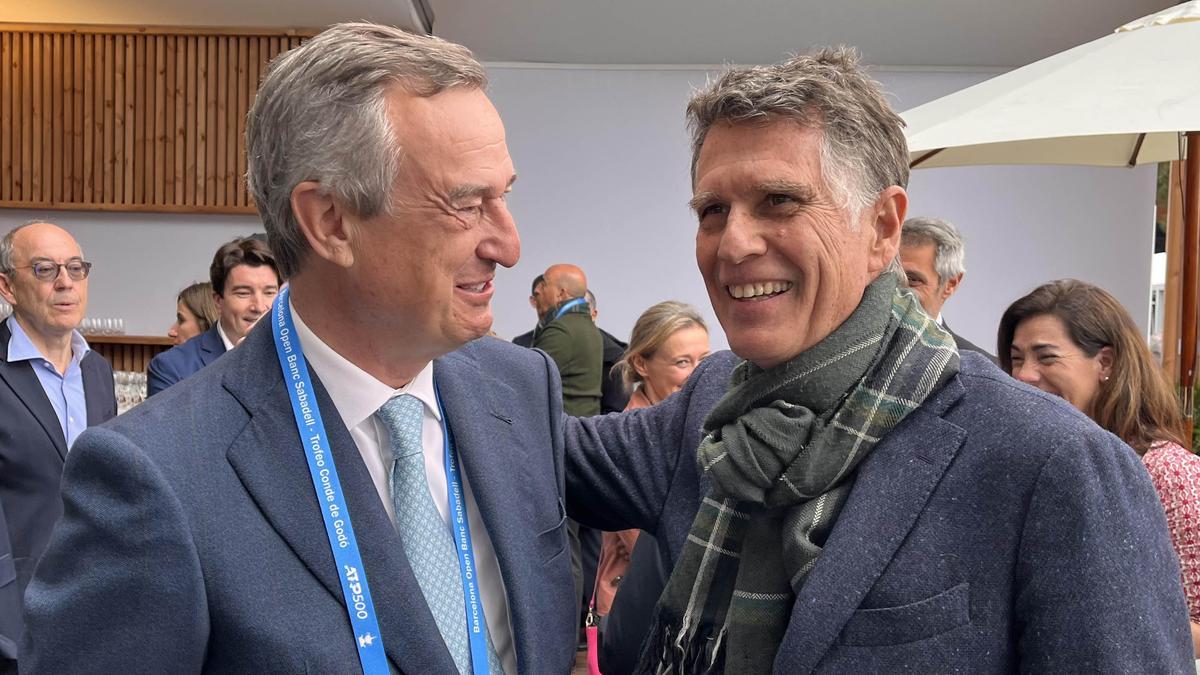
(668, 341)
(195, 312)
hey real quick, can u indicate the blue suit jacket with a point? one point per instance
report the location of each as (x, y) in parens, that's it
(183, 361)
(193, 542)
(32, 451)
(995, 529)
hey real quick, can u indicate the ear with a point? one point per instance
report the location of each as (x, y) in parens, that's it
(887, 219)
(639, 364)
(949, 287)
(6, 290)
(323, 223)
(533, 302)
(1105, 358)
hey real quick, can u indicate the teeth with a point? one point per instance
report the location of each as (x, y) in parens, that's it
(756, 289)
(477, 288)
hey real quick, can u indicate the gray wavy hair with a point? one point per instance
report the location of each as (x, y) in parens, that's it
(949, 259)
(321, 114)
(863, 150)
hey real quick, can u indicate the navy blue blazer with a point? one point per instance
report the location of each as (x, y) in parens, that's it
(183, 361)
(32, 451)
(193, 542)
(965, 345)
(996, 529)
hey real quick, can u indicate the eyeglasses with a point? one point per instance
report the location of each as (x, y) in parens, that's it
(48, 270)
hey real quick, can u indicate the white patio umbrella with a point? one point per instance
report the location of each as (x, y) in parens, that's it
(1120, 100)
(1129, 98)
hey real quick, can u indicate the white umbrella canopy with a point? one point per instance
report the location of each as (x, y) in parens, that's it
(1123, 100)
(1120, 100)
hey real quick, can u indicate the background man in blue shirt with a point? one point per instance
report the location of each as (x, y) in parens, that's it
(52, 386)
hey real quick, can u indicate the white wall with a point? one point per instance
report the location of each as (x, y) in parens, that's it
(142, 260)
(602, 155)
(602, 158)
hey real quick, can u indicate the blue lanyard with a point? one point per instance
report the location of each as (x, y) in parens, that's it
(563, 310)
(342, 541)
(466, 552)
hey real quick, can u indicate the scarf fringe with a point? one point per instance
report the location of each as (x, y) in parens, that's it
(667, 651)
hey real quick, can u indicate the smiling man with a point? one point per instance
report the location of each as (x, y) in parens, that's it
(932, 253)
(245, 280)
(52, 386)
(365, 483)
(845, 492)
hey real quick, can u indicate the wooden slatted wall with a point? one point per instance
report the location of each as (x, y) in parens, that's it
(129, 119)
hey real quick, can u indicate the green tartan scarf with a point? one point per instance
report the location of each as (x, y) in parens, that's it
(781, 449)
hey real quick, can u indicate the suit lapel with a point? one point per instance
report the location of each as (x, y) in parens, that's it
(485, 440)
(211, 346)
(98, 395)
(889, 494)
(270, 461)
(25, 384)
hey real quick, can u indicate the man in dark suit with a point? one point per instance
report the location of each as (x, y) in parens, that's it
(205, 533)
(934, 259)
(849, 494)
(52, 386)
(613, 395)
(245, 279)
(540, 304)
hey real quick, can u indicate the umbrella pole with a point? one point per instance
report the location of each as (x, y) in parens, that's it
(1191, 251)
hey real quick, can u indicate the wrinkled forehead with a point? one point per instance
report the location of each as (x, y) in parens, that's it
(918, 251)
(43, 240)
(457, 117)
(759, 153)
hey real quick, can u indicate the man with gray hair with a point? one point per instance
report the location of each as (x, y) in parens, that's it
(845, 492)
(933, 256)
(355, 485)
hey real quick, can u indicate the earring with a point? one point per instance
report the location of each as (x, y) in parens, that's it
(1105, 379)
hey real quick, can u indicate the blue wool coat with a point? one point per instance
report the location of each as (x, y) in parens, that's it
(996, 529)
(182, 361)
(192, 540)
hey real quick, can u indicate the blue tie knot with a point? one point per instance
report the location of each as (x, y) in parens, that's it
(403, 416)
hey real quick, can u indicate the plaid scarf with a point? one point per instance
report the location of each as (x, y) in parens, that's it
(781, 449)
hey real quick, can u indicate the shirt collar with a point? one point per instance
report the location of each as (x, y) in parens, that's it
(224, 338)
(355, 392)
(21, 348)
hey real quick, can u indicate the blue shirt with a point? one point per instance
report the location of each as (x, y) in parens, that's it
(65, 391)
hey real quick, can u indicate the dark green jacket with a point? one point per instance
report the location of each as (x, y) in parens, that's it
(574, 343)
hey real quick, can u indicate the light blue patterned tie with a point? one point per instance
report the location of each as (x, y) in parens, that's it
(425, 535)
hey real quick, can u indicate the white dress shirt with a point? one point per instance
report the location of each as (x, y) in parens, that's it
(225, 338)
(357, 395)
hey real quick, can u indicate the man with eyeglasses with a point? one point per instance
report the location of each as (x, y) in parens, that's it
(52, 386)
